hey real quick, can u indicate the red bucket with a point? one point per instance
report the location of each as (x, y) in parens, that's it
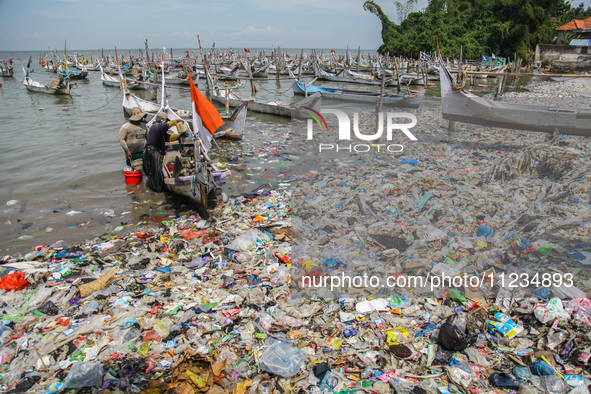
(132, 177)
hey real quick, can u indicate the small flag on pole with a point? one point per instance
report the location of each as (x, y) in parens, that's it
(246, 50)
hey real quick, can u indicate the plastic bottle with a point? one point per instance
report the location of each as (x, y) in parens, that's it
(282, 359)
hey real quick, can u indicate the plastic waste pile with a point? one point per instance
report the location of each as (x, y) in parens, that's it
(218, 306)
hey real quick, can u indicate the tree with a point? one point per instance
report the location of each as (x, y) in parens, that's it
(565, 12)
(403, 10)
(503, 27)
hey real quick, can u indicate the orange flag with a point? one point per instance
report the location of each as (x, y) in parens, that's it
(206, 118)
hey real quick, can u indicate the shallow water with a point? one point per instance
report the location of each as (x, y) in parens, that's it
(62, 177)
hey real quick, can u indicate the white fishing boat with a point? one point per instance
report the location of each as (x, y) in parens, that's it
(461, 106)
(575, 79)
(412, 100)
(56, 86)
(230, 98)
(6, 69)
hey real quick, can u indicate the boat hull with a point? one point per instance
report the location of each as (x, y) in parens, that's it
(279, 109)
(406, 101)
(459, 106)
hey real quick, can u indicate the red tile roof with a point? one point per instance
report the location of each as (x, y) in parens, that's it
(576, 24)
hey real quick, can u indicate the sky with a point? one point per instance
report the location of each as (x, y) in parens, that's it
(89, 24)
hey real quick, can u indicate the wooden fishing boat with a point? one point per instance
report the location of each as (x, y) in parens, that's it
(232, 99)
(6, 70)
(181, 78)
(348, 78)
(540, 77)
(131, 101)
(109, 80)
(461, 106)
(56, 86)
(87, 67)
(73, 74)
(188, 171)
(261, 72)
(226, 74)
(115, 82)
(412, 100)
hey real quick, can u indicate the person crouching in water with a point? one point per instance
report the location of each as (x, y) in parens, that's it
(155, 150)
(132, 136)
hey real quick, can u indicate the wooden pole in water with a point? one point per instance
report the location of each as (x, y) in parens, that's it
(397, 71)
(277, 63)
(253, 86)
(381, 100)
(451, 126)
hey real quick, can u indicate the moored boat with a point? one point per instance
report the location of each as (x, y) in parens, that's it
(461, 106)
(56, 86)
(412, 100)
(232, 99)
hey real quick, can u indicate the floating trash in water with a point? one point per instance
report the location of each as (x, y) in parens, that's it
(11, 202)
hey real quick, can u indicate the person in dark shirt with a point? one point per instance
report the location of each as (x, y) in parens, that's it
(157, 133)
(155, 149)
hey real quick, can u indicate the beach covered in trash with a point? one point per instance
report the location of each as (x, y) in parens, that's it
(229, 304)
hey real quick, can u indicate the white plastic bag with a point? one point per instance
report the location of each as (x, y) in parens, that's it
(552, 310)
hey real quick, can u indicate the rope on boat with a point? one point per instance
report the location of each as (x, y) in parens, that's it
(108, 102)
(459, 81)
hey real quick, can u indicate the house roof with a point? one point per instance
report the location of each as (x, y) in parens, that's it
(576, 24)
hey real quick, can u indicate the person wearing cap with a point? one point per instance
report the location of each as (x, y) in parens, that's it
(132, 136)
(155, 149)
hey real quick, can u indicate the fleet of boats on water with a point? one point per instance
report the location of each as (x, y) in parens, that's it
(187, 169)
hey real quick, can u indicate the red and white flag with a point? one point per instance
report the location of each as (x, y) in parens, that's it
(206, 118)
(246, 50)
(332, 52)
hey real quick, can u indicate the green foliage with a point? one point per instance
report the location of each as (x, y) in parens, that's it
(479, 27)
(402, 10)
(566, 38)
(565, 12)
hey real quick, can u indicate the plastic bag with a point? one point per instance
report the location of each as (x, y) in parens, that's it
(84, 374)
(49, 308)
(541, 368)
(244, 242)
(451, 337)
(501, 379)
(461, 373)
(552, 310)
(92, 308)
(282, 359)
(15, 281)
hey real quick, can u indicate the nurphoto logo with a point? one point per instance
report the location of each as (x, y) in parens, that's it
(345, 130)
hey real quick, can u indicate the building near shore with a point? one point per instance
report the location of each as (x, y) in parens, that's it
(571, 51)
